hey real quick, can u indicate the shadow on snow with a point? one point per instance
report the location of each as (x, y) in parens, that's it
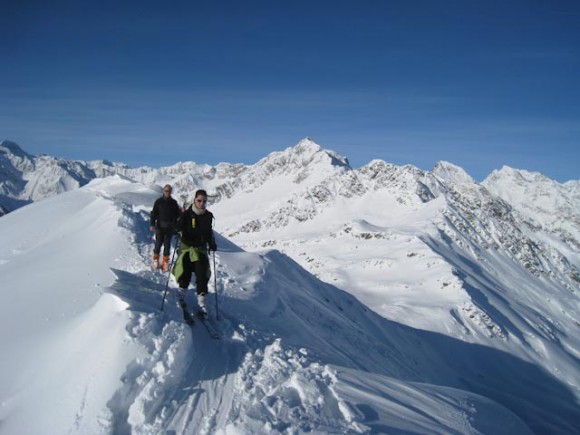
(306, 312)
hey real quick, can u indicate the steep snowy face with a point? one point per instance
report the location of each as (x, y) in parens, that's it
(13, 163)
(509, 270)
(12, 151)
(546, 203)
(409, 184)
(480, 219)
(26, 178)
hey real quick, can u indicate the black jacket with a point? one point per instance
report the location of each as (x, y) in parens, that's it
(165, 213)
(196, 230)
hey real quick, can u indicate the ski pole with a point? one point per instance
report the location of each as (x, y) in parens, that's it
(217, 314)
(168, 277)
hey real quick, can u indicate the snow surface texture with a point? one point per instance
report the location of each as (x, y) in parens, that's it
(395, 301)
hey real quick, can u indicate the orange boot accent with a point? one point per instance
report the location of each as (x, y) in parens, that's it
(156, 261)
(165, 264)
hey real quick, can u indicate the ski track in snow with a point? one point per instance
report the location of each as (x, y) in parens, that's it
(278, 385)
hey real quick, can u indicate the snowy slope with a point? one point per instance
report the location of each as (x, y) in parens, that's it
(85, 348)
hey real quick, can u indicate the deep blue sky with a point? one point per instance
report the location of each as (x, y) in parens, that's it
(479, 83)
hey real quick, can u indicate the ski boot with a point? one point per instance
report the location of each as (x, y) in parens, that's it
(186, 316)
(165, 264)
(202, 307)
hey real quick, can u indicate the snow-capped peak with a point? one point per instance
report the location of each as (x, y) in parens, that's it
(8, 148)
(307, 144)
(519, 176)
(305, 153)
(541, 200)
(451, 173)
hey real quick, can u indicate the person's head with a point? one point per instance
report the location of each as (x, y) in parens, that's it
(200, 199)
(167, 190)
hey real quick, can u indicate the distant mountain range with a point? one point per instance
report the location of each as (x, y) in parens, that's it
(508, 206)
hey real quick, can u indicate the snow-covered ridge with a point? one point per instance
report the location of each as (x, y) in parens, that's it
(298, 355)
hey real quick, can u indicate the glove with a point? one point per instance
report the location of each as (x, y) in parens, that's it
(212, 245)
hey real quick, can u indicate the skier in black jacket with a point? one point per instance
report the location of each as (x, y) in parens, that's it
(195, 228)
(163, 218)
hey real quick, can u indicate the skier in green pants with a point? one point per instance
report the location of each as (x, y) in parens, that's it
(196, 236)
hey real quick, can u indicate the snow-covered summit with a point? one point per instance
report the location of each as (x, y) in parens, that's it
(301, 160)
(508, 177)
(451, 173)
(9, 148)
(307, 146)
(544, 202)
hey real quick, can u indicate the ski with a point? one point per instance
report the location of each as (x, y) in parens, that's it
(212, 332)
(188, 318)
